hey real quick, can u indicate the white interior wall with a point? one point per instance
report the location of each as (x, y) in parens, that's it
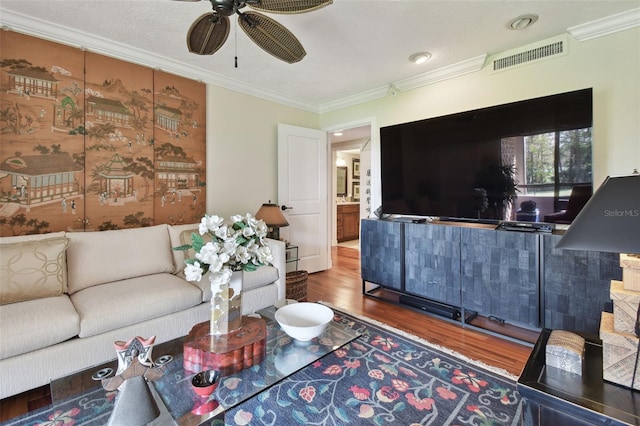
(242, 129)
(242, 149)
(609, 64)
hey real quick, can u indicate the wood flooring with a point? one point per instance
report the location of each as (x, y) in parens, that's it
(341, 286)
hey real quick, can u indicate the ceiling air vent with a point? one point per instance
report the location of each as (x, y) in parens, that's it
(545, 49)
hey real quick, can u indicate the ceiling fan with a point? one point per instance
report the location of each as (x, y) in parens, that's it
(209, 32)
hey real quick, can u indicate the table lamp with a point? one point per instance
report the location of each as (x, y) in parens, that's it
(610, 222)
(273, 218)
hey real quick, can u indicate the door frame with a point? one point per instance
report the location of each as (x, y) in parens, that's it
(376, 195)
(335, 148)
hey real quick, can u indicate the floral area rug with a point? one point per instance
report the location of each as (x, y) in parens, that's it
(384, 377)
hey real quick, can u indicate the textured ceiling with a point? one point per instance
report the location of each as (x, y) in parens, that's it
(353, 46)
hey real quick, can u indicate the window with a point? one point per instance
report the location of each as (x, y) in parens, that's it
(555, 162)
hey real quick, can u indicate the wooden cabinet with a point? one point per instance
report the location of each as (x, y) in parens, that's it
(348, 222)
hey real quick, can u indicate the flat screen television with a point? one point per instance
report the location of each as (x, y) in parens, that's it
(516, 162)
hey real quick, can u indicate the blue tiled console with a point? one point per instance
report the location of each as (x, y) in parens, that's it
(500, 274)
(382, 248)
(515, 277)
(432, 262)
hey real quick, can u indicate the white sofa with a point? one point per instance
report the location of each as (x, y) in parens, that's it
(66, 297)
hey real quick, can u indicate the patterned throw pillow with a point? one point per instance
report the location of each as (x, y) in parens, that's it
(33, 269)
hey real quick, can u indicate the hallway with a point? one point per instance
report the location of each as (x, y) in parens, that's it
(353, 244)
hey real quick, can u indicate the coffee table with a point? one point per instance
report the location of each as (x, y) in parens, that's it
(174, 396)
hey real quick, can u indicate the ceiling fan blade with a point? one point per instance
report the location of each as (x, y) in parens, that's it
(272, 37)
(288, 6)
(207, 34)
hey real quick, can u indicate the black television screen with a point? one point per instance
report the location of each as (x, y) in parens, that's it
(519, 161)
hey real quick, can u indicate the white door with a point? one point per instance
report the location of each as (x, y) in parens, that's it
(302, 190)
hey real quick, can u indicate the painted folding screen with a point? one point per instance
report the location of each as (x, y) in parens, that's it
(94, 143)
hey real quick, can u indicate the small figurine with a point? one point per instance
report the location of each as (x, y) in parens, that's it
(124, 351)
(134, 404)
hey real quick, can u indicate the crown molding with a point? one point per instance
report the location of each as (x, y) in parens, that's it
(605, 26)
(359, 98)
(90, 42)
(50, 31)
(443, 73)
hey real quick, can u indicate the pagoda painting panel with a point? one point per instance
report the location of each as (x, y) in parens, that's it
(180, 149)
(119, 144)
(93, 143)
(42, 133)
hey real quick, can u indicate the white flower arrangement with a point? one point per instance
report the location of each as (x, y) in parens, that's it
(240, 246)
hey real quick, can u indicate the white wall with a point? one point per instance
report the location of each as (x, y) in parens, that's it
(609, 64)
(242, 130)
(242, 149)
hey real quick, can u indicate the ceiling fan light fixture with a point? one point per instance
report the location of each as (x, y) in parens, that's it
(420, 57)
(209, 32)
(272, 37)
(522, 22)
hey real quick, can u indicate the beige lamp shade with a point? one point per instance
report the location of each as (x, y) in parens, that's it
(272, 216)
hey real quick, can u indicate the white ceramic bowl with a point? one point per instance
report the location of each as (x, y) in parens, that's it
(304, 321)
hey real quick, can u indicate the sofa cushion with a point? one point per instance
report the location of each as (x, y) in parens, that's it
(261, 277)
(113, 305)
(186, 237)
(35, 324)
(33, 237)
(181, 235)
(32, 269)
(104, 256)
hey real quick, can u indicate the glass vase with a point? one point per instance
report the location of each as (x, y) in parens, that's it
(226, 307)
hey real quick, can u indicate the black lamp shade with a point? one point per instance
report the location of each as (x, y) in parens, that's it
(610, 221)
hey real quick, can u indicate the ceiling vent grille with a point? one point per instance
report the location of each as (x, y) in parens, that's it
(532, 53)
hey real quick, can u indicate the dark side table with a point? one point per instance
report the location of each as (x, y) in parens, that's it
(554, 397)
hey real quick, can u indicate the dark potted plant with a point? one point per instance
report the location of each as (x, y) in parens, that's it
(500, 183)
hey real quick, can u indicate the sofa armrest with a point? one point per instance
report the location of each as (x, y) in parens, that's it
(279, 256)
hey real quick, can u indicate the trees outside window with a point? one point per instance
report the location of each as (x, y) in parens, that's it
(557, 161)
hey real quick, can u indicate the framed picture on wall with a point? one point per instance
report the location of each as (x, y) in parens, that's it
(355, 191)
(355, 168)
(341, 182)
